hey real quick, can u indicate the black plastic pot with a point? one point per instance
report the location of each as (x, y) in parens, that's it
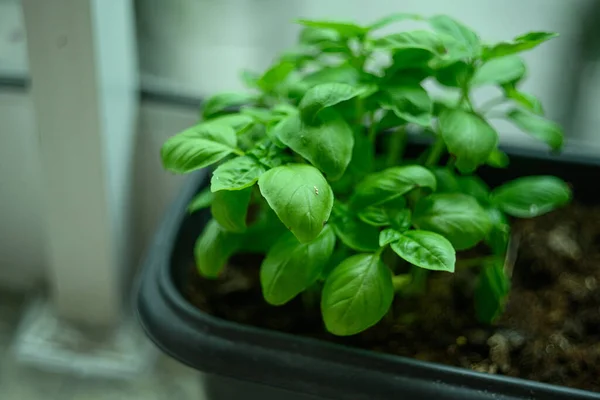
(244, 362)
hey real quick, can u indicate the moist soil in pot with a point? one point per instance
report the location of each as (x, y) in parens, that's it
(550, 331)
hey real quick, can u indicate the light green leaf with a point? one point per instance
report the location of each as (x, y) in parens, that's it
(290, 266)
(426, 250)
(325, 95)
(259, 115)
(238, 122)
(300, 196)
(401, 220)
(263, 233)
(491, 292)
(475, 187)
(388, 236)
(222, 101)
(531, 196)
(345, 29)
(310, 35)
(236, 174)
(410, 103)
(198, 147)
(327, 145)
(353, 232)
(213, 248)
(457, 31)
(519, 44)
(200, 201)
(457, 217)
(499, 71)
(229, 208)
(356, 295)
(275, 75)
(386, 185)
(498, 159)
(418, 39)
(393, 18)
(539, 127)
(523, 99)
(344, 73)
(468, 137)
(375, 216)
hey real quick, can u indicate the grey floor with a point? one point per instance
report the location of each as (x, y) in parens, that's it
(167, 380)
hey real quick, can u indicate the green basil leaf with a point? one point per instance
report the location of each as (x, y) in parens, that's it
(498, 159)
(521, 43)
(354, 233)
(356, 295)
(539, 127)
(447, 181)
(229, 208)
(388, 236)
(401, 220)
(213, 248)
(223, 101)
(259, 115)
(200, 201)
(275, 75)
(392, 18)
(238, 122)
(264, 232)
(419, 39)
(300, 196)
(457, 31)
(531, 196)
(491, 292)
(468, 137)
(375, 216)
(499, 70)
(456, 75)
(426, 250)
(290, 266)
(345, 29)
(386, 185)
(410, 103)
(236, 174)
(198, 147)
(310, 35)
(328, 145)
(499, 235)
(344, 73)
(475, 187)
(457, 217)
(269, 154)
(325, 95)
(525, 100)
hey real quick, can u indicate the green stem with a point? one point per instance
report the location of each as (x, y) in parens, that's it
(436, 152)
(397, 145)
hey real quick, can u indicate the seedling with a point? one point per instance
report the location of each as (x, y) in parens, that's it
(311, 169)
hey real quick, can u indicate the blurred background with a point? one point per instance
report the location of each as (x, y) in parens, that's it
(90, 89)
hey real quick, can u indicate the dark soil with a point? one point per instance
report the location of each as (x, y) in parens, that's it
(550, 331)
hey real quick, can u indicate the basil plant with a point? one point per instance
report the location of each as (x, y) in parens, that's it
(309, 167)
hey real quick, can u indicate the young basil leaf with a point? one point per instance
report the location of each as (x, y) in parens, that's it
(475, 187)
(491, 292)
(236, 174)
(356, 295)
(344, 73)
(238, 122)
(269, 154)
(222, 101)
(353, 232)
(374, 216)
(425, 250)
(383, 186)
(498, 159)
(275, 75)
(310, 35)
(345, 29)
(468, 137)
(447, 182)
(499, 235)
(419, 39)
(392, 18)
(521, 43)
(499, 70)
(229, 208)
(200, 201)
(456, 75)
(525, 100)
(460, 33)
(325, 95)
(290, 266)
(213, 248)
(198, 147)
(259, 115)
(300, 196)
(410, 103)
(539, 127)
(328, 145)
(457, 217)
(531, 196)
(388, 236)
(401, 220)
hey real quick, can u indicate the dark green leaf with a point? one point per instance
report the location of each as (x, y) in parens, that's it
(388, 236)
(300, 196)
(311, 35)
(539, 127)
(290, 266)
(213, 248)
(353, 232)
(519, 44)
(531, 196)
(200, 201)
(198, 147)
(229, 208)
(410, 103)
(500, 233)
(392, 18)
(401, 220)
(236, 174)
(345, 29)
(222, 101)
(269, 154)
(457, 31)
(446, 180)
(491, 293)
(468, 137)
(327, 145)
(455, 75)
(498, 159)
(275, 75)
(457, 217)
(499, 70)
(325, 95)
(426, 250)
(386, 185)
(263, 233)
(356, 295)
(375, 216)
(475, 187)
